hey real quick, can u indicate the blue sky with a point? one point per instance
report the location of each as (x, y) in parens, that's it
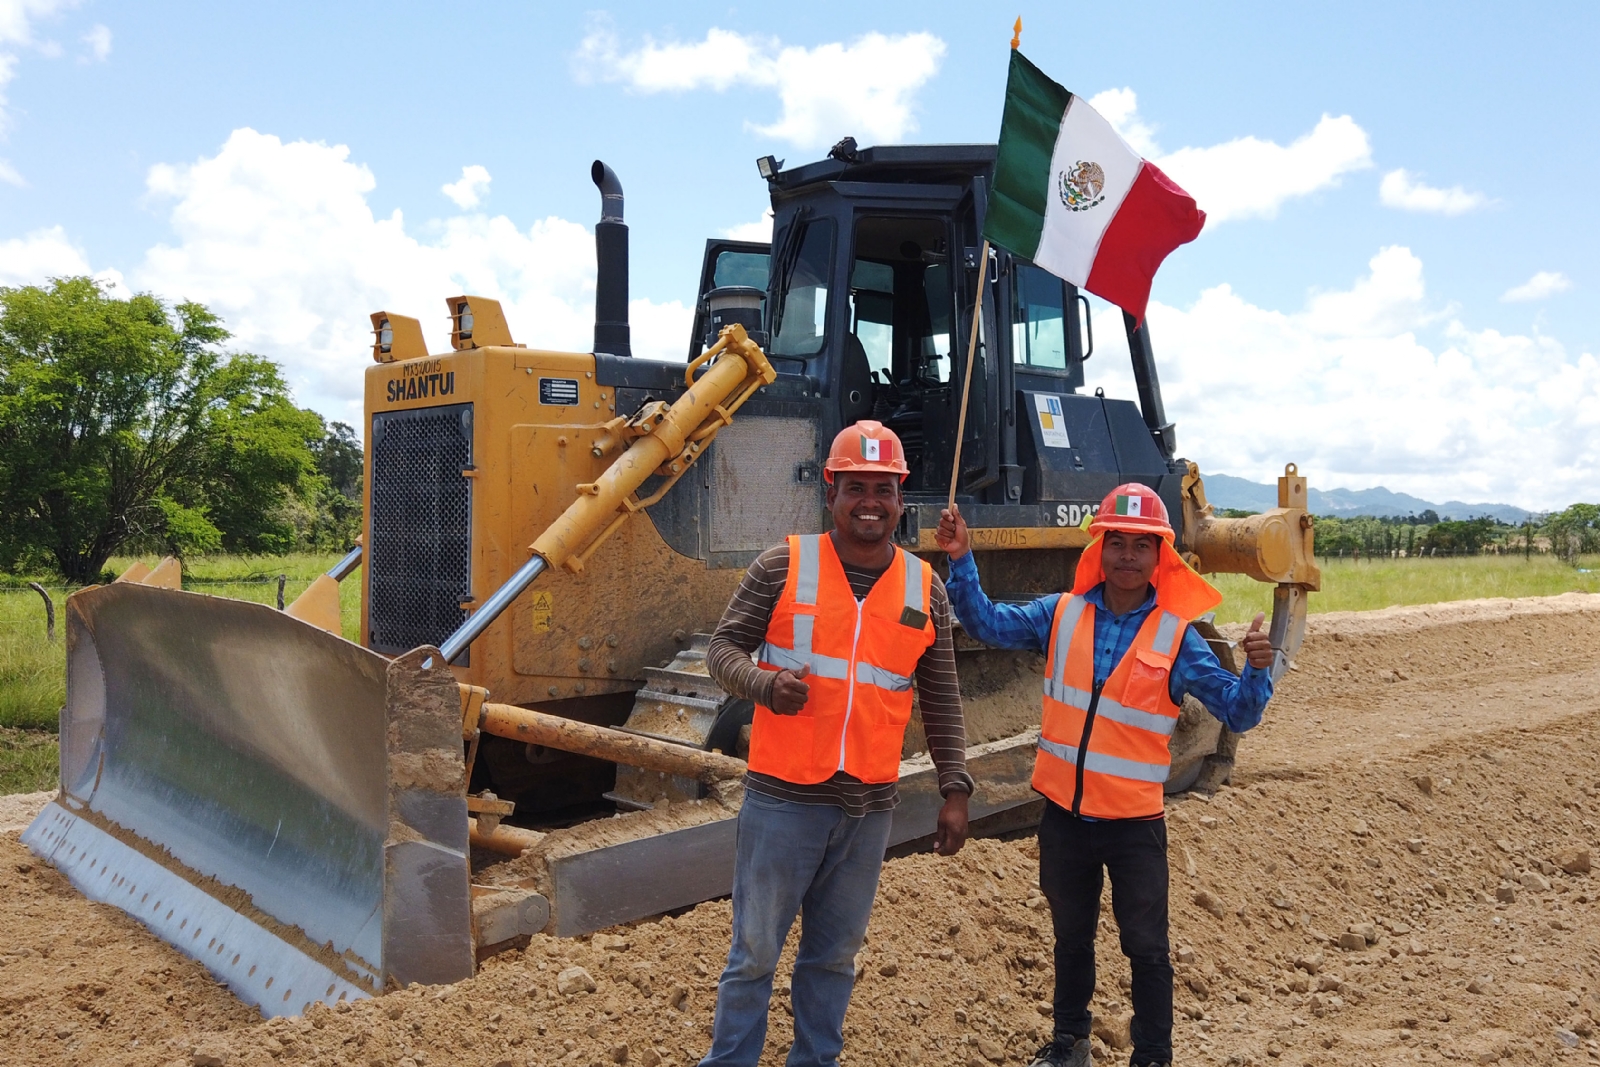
(1395, 287)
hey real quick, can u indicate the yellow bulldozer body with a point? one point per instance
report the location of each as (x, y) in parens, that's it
(548, 539)
(571, 636)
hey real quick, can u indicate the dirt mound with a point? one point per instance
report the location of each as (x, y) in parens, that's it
(1384, 683)
(1358, 897)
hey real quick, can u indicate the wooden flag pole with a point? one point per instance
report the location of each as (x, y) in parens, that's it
(966, 384)
(972, 337)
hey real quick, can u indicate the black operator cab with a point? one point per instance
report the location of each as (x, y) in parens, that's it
(870, 283)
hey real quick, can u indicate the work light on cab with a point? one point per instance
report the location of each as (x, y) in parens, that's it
(396, 337)
(476, 322)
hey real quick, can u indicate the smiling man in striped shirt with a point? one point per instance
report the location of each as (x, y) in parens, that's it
(1121, 656)
(840, 625)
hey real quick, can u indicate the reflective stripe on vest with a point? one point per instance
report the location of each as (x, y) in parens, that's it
(861, 654)
(801, 655)
(805, 586)
(805, 592)
(1100, 762)
(1110, 709)
(1119, 772)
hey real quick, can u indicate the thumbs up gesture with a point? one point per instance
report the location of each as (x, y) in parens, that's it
(1257, 646)
(789, 691)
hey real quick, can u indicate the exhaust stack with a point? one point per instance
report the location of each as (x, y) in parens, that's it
(611, 332)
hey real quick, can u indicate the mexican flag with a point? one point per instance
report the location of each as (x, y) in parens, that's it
(1072, 196)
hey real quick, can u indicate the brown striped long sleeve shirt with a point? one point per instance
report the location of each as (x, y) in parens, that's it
(744, 627)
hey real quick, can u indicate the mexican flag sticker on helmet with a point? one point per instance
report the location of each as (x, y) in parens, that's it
(869, 448)
(1127, 505)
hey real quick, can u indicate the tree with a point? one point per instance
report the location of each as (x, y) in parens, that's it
(134, 424)
(1574, 531)
(340, 460)
(1459, 537)
(341, 463)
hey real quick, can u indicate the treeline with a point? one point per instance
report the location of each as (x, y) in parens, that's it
(127, 427)
(1567, 534)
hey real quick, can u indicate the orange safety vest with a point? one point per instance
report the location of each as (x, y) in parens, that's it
(1104, 754)
(862, 654)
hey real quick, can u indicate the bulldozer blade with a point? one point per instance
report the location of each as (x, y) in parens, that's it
(280, 804)
(642, 867)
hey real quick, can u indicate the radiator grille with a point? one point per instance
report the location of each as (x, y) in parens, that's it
(421, 537)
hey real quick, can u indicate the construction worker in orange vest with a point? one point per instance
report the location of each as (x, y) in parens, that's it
(1120, 657)
(839, 625)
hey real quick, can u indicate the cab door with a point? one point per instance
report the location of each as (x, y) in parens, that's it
(980, 455)
(727, 263)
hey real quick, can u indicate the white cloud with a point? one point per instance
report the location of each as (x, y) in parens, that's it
(471, 189)
(759, 230)
(1120, 107)
(1406, 191)
(863, 89)
(1390, 300)
(50, 253)
(17, 21)
(1546, 283)
(42, 254)
(1246, 177)
(18, 16)
(281, 241)
(1348, 390)
(99, 41)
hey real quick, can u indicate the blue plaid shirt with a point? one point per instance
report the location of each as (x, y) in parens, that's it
(1236, 701)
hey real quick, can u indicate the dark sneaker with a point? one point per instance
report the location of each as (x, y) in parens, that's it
(1059, 1053)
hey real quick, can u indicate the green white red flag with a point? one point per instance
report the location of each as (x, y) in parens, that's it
(1072, 196)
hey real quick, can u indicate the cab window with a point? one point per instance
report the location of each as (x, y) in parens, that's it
(872, 314)
(741, 268)
(1038, 318)
(802, 313)
(901, 303)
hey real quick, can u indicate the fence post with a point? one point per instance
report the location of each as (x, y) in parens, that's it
(49, 611)
(281, 579)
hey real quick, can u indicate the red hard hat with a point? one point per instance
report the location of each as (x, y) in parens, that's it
(1132, 508)
(866, 446)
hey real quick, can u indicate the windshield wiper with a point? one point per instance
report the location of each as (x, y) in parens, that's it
(783, 265)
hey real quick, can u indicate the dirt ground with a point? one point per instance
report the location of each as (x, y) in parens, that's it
(1399, 874)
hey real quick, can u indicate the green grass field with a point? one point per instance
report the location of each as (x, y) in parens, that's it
(1364, 586)
(32, 670)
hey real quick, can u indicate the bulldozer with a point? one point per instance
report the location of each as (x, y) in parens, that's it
(525, 738)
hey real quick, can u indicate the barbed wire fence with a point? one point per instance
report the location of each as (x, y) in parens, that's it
(64, 590)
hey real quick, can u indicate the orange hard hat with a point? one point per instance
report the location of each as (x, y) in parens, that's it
(866, 446)
(1136, 509)
(1133, 508)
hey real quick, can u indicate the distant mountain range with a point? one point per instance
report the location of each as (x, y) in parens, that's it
(1226, 491)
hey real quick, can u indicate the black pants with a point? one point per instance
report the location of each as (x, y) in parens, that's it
(1072, 853)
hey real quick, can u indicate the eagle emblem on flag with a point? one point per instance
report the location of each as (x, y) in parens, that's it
(1082, 185)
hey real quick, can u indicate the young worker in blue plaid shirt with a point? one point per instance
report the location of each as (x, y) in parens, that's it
(1109, 712)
